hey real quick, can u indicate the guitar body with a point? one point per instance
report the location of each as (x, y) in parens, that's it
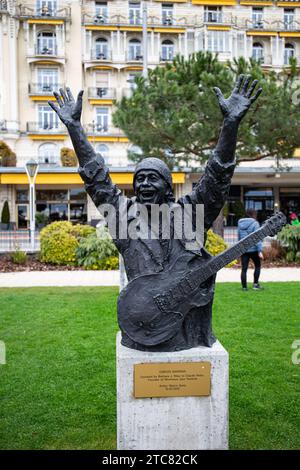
(152, 308)
(144, 319)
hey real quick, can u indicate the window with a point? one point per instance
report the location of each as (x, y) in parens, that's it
(258, 17)
(102, 80)
(213, 14)
(289, 52)
(46, 7)
(47, 80)
(46, 43)
(258, 52)
(135, 50)
(48, 154)
(218, 41)
(167, 50)
(101, 48)
(101, 12)
(101, 119)
(135, 16)
(288, 18)
(47, 118)
(261, 200)
(167, 13)
(103, 150)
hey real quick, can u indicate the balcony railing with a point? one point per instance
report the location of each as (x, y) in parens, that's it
(102, 56)
(120, 20)
(213, 17)
(45, 128)
(270, 25)
(46, 50)
(262, 59)
(132, 57)
(42, 89)
(102, 93)
(29, 11)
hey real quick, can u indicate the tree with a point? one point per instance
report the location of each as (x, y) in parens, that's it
(7, 156)
(5, 216)
(174, 114)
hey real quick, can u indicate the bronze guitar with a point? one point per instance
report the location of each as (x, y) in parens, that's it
(152, 307)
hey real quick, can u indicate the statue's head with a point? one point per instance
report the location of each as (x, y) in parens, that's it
(152, 182)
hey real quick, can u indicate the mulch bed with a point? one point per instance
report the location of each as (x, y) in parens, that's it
(33, 264)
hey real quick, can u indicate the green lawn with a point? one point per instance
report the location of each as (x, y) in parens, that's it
(57, 390)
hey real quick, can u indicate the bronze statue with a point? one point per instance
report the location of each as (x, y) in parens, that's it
(170, 323)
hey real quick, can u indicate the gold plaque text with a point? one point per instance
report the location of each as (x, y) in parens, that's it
(172, 379)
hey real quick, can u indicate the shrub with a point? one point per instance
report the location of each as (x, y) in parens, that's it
(216, 245)
(97, 251)
(274, 252)
(68, 157)
(7, 156)
(59, 241)
(290, 239)
(18, 256)
(5, 216)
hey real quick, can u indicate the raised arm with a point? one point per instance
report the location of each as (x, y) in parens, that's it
(92, 169)
(213, 188)
(234, 109)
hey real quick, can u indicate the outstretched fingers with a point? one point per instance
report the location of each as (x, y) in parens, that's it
(58, 98)
(254, 97)
(238, 83)
(245, 85)
(251, 88)
(63, 94)
(69, 94)
(54, 106)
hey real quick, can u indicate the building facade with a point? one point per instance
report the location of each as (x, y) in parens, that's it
(97, 46)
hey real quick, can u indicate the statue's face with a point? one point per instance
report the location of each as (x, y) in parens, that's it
(150, 187)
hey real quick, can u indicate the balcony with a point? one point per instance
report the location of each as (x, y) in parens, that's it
(101, 93)
(45, 13)
(263, 25)
(102, 56)
(42, 89)
(213, 17)
(132, 57)
(90, 19)
(264, 60)
(38, 130)
(41, 50)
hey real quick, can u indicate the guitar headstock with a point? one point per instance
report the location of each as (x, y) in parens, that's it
(274, 224)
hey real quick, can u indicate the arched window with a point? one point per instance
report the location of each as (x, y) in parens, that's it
(48, 154)
(134, 151)
(101, 49)
(46, 43)
(103, 150)
(135, 49)
(289, 52)
(167, 50)
(258, 52)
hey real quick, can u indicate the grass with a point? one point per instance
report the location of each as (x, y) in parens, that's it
(57, 390)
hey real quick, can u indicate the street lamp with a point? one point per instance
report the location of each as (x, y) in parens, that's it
(31, 170)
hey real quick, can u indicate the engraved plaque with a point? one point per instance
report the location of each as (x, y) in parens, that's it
(172, 379)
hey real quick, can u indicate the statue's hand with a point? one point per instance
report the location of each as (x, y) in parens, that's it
(236, 106)
(67, 109)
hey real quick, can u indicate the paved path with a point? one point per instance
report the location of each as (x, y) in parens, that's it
(111, 278)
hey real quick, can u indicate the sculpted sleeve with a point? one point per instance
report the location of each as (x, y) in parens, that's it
(98, 183)
(212, 189)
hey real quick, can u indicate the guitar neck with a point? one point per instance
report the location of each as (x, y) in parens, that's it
(230, 254)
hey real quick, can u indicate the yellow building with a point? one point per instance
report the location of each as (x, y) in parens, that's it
(97, 46)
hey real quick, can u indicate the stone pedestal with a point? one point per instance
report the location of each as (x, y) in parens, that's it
(173, 423)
